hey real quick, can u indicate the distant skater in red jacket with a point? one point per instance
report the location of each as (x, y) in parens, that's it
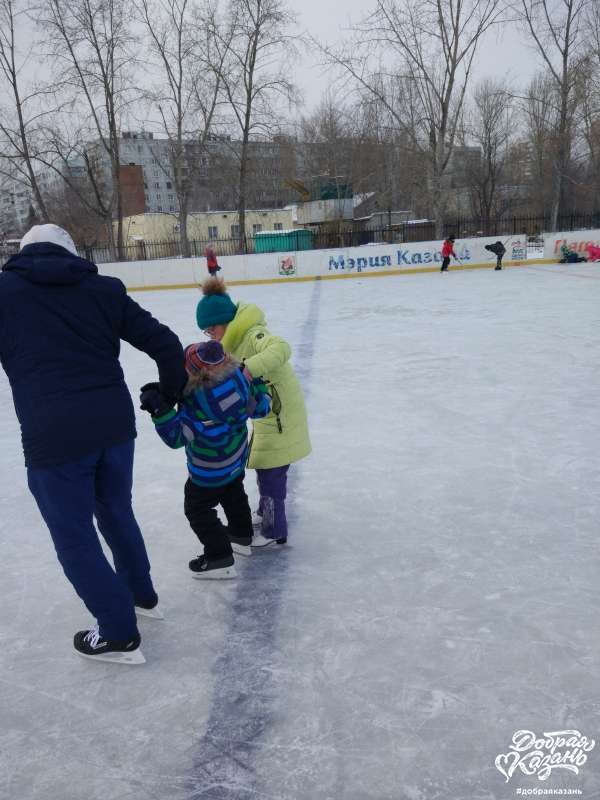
(211, 261)
(447, 251)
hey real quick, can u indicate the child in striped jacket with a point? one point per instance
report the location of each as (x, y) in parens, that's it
(210, 423)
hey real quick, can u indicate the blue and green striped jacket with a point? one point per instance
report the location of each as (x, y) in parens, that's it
(211, 424)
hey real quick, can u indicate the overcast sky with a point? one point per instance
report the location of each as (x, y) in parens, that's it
(506, 51)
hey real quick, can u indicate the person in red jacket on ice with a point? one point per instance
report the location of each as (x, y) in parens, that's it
(447, 251)
(211, 261)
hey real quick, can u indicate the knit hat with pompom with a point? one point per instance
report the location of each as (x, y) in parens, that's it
(203, 355)
(216, 307)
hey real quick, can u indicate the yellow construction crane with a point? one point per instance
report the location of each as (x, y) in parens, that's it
(299, 187)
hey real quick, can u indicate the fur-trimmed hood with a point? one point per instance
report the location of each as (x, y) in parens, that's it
(219, 395)
(208, 378)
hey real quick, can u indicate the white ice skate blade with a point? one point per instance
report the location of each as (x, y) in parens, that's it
(261, 541)
(241, 549)
(152, 613)
(134, 657)
(223, 574)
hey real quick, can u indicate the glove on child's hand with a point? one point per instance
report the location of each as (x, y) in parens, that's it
(153, 401)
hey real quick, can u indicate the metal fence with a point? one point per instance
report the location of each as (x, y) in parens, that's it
(324, 239)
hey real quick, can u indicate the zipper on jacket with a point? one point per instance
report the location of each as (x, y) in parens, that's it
(276, 406)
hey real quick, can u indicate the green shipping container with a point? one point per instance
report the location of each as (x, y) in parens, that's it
(283, 241)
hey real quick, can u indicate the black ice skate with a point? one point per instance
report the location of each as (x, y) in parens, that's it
(213, 569)
(241, 545)
(90, 644)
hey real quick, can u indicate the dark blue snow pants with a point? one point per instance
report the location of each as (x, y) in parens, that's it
(69, 496)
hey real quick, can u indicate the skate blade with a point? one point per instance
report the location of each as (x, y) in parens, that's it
(260, 542)
(134, 657)
(241, 549)
(152, 613)
(223, 574)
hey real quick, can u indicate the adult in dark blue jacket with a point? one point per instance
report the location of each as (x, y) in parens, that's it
(60, 329)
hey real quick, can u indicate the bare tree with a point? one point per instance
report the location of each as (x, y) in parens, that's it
(71, 210)
(329, 140)
(557, 28)
(20, 113)
(257, 39)
(431, 45)
(490, 127)
(190, 69)
(353, 143)
(587, 145)
(80, 183)
(539, 106)
(590, 102)
(90, 41)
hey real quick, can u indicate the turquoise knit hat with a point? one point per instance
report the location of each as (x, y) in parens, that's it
(216, 307)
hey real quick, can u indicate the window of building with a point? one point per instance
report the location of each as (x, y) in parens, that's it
(159, 208)
(213, 232)
(156, 172)
(157, 185)
(256, 228)
(169, 185)
(278, 226)
(169, 197)
(235, 231)
(171, 208)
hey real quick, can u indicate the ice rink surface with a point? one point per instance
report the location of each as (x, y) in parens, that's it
(439, 593)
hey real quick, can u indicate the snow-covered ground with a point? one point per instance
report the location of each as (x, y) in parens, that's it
(439, 593)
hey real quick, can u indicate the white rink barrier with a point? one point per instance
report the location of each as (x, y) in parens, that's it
(575, 240)
(310, 264)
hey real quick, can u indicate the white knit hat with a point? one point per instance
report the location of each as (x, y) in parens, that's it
(49, 233)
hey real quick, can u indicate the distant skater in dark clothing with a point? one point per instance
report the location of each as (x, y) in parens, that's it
(499, 250)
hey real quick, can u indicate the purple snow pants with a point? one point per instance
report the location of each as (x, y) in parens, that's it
(272, 487)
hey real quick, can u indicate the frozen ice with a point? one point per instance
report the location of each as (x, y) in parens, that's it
(439, 592)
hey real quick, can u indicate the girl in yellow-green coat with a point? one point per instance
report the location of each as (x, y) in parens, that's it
(282, 437)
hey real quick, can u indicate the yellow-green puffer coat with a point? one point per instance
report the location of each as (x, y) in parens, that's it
(247, 339)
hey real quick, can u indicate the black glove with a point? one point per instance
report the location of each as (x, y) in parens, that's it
(153, 401)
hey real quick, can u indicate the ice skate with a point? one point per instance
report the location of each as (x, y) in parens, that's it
(257, 520)
(213, 569)
(90, 644)
(241, 545)
(259, 541)
(154, 612)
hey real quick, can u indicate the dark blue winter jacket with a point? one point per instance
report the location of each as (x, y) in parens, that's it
(60, 329)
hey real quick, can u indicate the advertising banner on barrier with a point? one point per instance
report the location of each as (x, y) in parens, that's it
(578, 241)
(516, 249)
(371, 258)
